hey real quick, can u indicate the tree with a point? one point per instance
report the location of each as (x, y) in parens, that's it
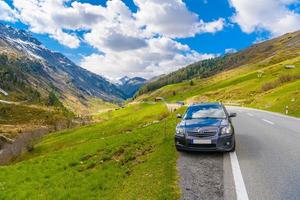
(53, 100)
(191, 83)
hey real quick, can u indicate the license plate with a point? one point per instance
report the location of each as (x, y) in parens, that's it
(201, 141)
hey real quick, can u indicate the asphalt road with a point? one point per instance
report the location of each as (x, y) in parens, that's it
(268, 155)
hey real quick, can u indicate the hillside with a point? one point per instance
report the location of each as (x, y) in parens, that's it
(269, 80)
(266, 53)
(107, 160)
(28, 67)
(40, 88)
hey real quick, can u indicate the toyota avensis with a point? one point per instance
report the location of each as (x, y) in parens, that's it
(205, 127)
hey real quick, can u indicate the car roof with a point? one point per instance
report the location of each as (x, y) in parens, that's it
(206, 104)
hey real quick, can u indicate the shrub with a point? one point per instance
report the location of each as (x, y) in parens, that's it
(269, 86)
(191, 83)
(286, 78)
(281, 80)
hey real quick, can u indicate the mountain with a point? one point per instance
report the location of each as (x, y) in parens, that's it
(29, 67)
(267, 77)
(130, 86)
(271, 51)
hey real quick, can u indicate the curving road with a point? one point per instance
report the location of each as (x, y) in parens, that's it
(267, 164)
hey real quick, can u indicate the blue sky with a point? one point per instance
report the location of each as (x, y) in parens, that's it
(149, 37)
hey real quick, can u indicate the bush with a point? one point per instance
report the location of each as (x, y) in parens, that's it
(269, 86)
(191, 83)
(286, 78)
(281, 80)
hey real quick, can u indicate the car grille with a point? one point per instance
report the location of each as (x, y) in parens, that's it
(203, 133)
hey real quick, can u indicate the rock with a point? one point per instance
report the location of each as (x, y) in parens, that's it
(290, 66)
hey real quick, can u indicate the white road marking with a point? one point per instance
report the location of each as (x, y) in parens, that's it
(265, 120)
(268, 112)
(240, 188)
(251, 115)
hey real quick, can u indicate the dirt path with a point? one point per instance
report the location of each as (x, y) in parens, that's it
(173, 106)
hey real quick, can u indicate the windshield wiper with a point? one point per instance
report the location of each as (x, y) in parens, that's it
(189, 118)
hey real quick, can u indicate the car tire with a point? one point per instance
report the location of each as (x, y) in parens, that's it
(178, 149)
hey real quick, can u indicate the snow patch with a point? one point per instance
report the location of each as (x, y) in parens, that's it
(26, 47)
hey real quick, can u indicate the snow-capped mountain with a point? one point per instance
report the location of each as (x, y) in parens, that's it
(123, 80)
(130, 86)
(45, 70)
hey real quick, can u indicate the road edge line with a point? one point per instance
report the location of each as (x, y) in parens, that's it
(240, 188)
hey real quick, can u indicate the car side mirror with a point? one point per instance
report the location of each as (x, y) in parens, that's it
(179, 116)
(232, 115)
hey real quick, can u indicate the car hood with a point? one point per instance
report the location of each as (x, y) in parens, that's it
(198, 123)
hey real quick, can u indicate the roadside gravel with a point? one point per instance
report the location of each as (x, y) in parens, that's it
(201, 176)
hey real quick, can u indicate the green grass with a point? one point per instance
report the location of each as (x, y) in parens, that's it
(126, 156)
(26, 114)
(242, 85)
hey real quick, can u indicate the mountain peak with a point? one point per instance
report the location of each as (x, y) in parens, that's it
(12, 33)
(124, 79)
(130, 86)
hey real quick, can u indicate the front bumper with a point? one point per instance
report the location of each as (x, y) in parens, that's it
(220, 143)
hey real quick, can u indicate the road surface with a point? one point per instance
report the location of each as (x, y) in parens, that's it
(266, 164)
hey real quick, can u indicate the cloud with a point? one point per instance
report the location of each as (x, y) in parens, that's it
(118, 31)
(6, 13)
(171, 18)
(270, 15)
(161, 55)
(128, 43)
(128, 47)
(54, 17)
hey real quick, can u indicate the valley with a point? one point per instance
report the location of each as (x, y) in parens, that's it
(103, 144)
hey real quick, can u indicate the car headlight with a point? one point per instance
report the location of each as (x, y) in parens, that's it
(227, 130)
(180, 132)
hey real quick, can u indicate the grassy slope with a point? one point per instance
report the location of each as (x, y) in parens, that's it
(126, 157)
(242, 85)
(266, 53)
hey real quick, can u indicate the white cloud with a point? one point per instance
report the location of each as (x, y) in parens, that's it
(141, 43)
(118, 31)
(129, 43)
(54, 17)
(271, 15)
(162, 55)
(171, 18)
(6, 13)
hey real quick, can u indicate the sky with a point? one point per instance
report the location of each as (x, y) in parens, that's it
(148, 38)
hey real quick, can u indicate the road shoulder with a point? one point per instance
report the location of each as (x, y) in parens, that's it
(201, 175)
(229, 189)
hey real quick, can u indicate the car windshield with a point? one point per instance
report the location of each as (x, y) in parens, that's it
(205, 111)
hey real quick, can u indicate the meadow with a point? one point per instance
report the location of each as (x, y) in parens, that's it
(128, 155)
